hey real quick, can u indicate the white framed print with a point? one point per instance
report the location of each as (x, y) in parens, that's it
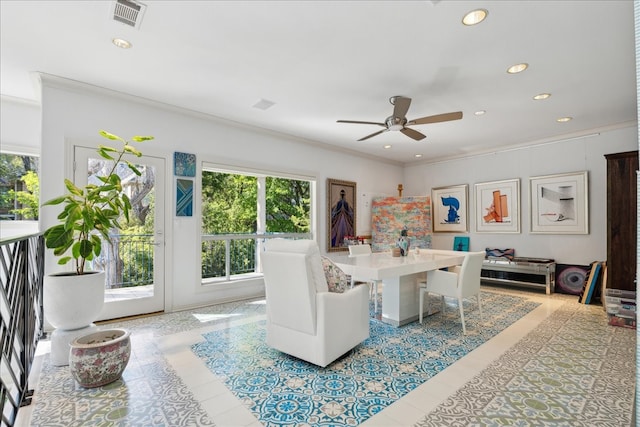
(559, 203)
(450, 212)
(497, 206)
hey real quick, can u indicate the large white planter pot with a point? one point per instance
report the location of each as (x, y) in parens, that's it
(73, 301)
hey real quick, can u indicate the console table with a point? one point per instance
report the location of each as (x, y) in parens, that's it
(530, 272)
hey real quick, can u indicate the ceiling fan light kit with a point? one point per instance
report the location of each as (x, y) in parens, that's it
(398, 120)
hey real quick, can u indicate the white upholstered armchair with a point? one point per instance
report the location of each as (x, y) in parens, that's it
(304, 319)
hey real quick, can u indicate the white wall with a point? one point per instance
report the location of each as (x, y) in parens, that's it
(20, 130)
(73, 113)
(552, 158)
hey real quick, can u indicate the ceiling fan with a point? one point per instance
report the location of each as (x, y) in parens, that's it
(398, 121)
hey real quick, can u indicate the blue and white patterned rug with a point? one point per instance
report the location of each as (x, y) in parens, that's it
(284, 391)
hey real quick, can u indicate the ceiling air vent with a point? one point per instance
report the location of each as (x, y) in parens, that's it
(128, 12)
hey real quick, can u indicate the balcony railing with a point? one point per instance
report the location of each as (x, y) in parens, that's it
(228, 255)
(22, 319)
(127, 261)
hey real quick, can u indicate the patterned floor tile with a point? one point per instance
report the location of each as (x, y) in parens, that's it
(157, 398)
(286, 391)
(572, 370)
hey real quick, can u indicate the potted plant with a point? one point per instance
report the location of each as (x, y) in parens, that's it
(72, 300)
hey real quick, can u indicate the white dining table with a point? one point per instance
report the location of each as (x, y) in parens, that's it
(399, 276)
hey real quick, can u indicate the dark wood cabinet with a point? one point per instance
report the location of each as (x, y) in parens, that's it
(621, 220)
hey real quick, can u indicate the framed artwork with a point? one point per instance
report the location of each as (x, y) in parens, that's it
(184, 197)
(450, 213)
(341, 213)
(497, 206)
(559, 204)
(184, 164)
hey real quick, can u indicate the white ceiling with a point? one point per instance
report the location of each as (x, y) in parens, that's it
(320, 61)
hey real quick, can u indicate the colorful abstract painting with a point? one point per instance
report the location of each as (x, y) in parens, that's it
(184, 197)
(390, 215)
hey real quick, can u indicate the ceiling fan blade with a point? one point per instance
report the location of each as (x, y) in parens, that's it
(361, 123)
(373, 134)
(412, 133)
(401, 106)
(437, 118)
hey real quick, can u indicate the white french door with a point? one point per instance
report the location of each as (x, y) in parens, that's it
(134, 262)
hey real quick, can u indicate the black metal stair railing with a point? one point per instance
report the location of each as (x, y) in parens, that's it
(22, 319)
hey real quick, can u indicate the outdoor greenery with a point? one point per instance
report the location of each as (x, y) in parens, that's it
(19, 186)
(29, 199)
(229, 205)
(288, 205)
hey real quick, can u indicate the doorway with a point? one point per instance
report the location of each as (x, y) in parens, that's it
(134, 261)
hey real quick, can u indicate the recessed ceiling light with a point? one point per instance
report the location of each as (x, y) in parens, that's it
(541, 96)
(418, 156)
(564, 119)
(479, 112)
(474, 17)
(517, 68)
(386, 147)
(121, 43)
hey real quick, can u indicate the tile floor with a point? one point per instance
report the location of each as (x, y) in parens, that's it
(182, 391)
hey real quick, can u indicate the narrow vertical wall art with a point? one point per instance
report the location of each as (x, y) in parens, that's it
(184, 197)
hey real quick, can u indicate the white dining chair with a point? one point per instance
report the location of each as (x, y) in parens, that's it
(459, 282)
(365, 250)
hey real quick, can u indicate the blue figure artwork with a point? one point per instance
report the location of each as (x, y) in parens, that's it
(452, 214)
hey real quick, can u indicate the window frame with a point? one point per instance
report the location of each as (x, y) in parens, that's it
(261, 236)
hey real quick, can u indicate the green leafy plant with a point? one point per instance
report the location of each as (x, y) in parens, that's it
(90, 212)
(29, 199)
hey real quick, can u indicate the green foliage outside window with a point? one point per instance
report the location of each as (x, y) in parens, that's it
(29, 199)
(288, 205)
(229, 205)
(19, 186)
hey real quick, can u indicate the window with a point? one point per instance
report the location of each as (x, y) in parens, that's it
(19, 187)
(241, 209)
